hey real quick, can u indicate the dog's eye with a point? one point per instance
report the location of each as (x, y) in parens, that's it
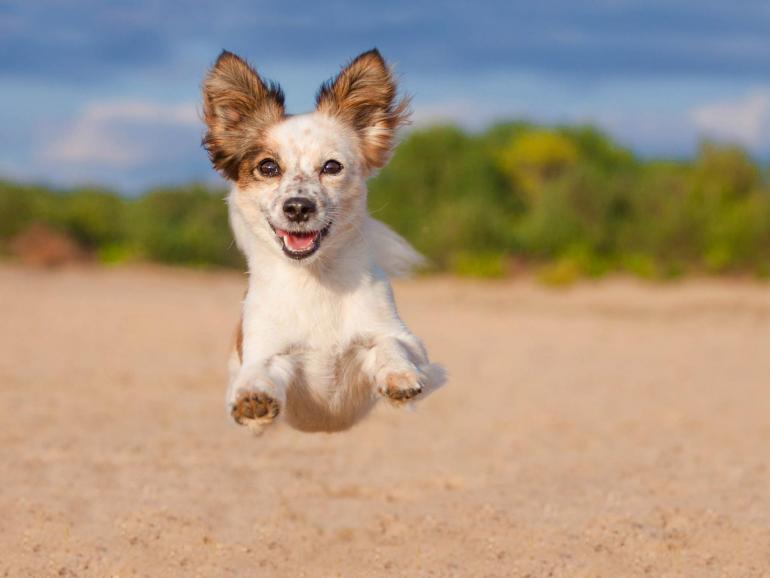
(269, 168)
(331, 167)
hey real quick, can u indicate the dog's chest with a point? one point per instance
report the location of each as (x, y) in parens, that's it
(310, 319)
(319, 331)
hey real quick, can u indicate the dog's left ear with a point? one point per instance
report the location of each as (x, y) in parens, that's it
(364, 95)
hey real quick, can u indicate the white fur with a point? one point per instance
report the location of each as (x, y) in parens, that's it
(303, 315)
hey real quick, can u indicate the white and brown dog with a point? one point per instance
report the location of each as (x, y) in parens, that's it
(320, 339)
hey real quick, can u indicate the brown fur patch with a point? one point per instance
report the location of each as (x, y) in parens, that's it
(348, 400)
(364, 95)
(255, 405)
(401, 387)
(237, 107)
(239, 340)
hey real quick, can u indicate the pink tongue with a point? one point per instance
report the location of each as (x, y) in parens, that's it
(297, 243)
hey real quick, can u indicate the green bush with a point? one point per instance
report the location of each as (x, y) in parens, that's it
(487, 265)
(186, 225)
(565, 200)
(21, 205)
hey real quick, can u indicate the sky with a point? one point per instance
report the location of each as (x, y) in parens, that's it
(107, 92)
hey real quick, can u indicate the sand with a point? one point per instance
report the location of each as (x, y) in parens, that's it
(616, 429)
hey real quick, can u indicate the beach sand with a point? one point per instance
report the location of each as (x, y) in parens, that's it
(610, 429)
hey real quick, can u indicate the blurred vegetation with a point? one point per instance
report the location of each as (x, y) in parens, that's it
(566, 202)
(182, 225)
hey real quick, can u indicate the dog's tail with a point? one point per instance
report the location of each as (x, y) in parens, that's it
(392, 253)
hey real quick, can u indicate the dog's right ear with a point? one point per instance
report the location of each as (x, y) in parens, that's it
(237, 107)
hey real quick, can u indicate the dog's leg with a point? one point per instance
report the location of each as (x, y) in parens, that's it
(257, 391)
(401, 369)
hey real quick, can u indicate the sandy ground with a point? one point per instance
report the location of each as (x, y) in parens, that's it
(609, 430)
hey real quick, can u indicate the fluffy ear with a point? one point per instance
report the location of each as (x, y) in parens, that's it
(364, 95)
(237, 107)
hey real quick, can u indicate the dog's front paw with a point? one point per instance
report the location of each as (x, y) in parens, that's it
(401, 387)
(255, 410)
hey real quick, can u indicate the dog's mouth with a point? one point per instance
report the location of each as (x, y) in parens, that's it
(300, 244)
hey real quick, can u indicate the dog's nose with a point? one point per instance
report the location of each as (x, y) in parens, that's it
(299, 209)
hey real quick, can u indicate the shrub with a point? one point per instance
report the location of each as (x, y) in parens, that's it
(566, 200)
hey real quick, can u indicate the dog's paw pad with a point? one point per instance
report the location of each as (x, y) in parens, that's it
(255, 407)
(401, 387)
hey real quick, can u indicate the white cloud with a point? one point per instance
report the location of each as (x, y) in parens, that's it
(667, 132)
(744, 121)
(441, 112)
(673, 129)
(649, 133)
(118, 134)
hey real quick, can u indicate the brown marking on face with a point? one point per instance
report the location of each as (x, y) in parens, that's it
(348, 400)
(238, 108)
(364, 96)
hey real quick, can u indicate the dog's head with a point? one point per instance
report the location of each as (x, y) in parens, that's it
(300, 180)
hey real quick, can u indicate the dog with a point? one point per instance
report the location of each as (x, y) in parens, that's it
(320, 339)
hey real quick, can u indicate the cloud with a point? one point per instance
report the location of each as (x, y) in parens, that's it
(744, 121)
(126, 144)
(463, 112)
(649, 133)
(88, 40)
(115, 133)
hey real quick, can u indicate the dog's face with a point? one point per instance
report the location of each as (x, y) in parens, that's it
(300, 180)
(304, 187)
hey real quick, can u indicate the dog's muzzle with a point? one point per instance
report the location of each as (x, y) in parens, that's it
(300, 244)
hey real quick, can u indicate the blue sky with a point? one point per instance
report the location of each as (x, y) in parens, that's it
(107, 92)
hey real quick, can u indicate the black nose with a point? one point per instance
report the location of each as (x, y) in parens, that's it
(299, 209)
